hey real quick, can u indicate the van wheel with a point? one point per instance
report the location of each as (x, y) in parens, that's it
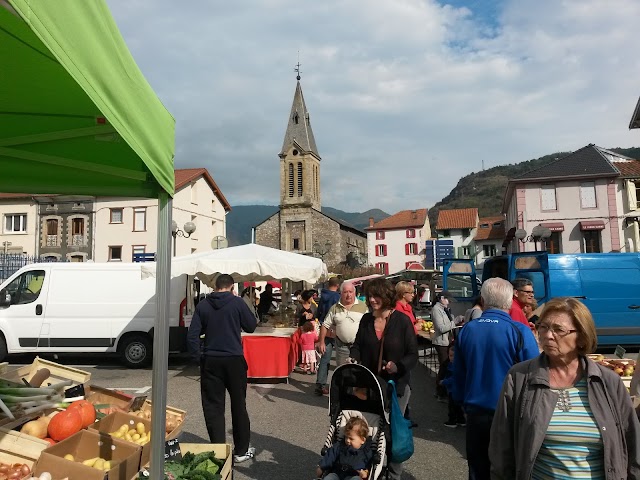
(3, 348)
(135, 351)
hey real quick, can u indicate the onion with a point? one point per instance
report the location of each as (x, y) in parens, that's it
(44, 476)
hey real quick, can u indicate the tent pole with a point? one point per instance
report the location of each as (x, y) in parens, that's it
(161, 337)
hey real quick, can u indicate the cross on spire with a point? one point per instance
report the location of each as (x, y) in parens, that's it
(297, 70)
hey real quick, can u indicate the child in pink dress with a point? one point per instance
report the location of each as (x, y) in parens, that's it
(308, 338)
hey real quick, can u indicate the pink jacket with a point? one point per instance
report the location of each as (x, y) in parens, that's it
(308, 339)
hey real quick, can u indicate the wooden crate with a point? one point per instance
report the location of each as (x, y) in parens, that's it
(222, 450)
(172, 411)
(16, 447)
(59, 373)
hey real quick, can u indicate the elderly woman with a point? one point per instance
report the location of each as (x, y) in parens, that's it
(443, 326)
(561, 415)
(386, 344)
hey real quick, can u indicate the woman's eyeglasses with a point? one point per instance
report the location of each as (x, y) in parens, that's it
(556, 330)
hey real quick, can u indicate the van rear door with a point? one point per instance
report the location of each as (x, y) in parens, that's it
(610, 284)
(21, 321)
(535, 267)
(459, 278)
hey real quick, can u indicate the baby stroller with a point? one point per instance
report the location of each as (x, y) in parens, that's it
(355, 392)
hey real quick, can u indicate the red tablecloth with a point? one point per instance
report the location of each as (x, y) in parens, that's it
(270, 357)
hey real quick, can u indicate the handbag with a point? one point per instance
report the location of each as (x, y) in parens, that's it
(401, 433)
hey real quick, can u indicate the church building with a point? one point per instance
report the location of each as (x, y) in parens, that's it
(300, 226)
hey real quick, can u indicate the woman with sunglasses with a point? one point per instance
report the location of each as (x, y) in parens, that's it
(561, 415)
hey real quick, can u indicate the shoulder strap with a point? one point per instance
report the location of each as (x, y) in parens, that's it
(382, 340)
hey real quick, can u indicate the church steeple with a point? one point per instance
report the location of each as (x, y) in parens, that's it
(299, 126)
(299, 158)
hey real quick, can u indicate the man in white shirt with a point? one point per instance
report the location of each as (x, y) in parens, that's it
(344, 317)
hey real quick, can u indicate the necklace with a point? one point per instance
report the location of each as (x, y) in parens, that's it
(564, 397)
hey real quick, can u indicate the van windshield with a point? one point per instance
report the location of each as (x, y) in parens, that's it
(26, 287)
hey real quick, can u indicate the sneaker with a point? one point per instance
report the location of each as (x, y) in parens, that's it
(462, 423)
(251, 452)
(318, 390)
(325, 390)
(450, 424)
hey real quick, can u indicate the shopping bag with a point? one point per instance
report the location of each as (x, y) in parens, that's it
(401, 434)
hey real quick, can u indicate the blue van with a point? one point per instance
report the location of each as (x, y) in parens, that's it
(607, 283)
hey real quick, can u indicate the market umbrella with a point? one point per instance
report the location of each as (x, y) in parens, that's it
(78, 117)
(246, 263)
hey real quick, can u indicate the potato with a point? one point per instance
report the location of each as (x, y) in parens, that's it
(140, 428)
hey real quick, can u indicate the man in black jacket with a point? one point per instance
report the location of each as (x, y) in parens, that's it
(221, 317)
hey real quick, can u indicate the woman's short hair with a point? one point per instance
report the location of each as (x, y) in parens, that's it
(402, 288)
(383, 289)
(357, 425)
(582, 319)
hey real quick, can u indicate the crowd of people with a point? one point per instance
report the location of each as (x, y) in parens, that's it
(518, 378)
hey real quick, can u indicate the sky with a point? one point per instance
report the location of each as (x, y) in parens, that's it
(405, 96)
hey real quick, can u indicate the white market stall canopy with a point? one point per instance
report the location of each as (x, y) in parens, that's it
(246, 263)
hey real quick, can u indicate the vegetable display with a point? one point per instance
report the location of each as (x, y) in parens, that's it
(17, 400)
(201, 466)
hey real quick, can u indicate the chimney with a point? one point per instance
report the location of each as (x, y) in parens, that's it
(371, 221)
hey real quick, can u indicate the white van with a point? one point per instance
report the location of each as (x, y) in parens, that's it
(86, 308)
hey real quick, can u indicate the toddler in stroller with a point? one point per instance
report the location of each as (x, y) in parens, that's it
(356, 408)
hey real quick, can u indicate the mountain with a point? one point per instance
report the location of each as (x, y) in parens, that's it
(242, 218)
(486, 188)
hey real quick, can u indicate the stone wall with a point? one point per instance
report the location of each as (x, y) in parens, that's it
(268, 232)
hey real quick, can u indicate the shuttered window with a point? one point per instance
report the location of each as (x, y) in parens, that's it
(383, 268)
(381, 250)
(411, 248)
(588, 195)
(548, 197)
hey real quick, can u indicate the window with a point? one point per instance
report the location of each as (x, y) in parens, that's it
(445, 233)
(52, 232)
(194, 193)
(213, 205)
(484, 225)
(139, 219)
(411, 233)
(26, 288)
(466, 232)
(637, 184)
(291, 179)
(76, 258)
(15, 223)
(77, 226)
(379, 235)
(299, 179)
(548, 197)
(465, 252)
(553, 243)
(296, 244)
(411, 249)
(116, 215)
(381, 250)
(591, 241)
(383, 268)
(115, 254)
(489, 250)
(138, 250)
(588, 195)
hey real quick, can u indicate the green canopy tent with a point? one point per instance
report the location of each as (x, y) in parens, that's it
(78, 117)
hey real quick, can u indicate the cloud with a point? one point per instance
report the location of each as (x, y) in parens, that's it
(405, 96)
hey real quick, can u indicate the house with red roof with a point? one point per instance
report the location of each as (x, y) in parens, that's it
(586, 201)
(458, 225)
(398, 242)
(488, 239)
(102, 229)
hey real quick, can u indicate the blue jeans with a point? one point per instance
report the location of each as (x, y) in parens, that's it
(323, 367)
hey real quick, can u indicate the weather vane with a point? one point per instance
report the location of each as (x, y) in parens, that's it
(297, 69)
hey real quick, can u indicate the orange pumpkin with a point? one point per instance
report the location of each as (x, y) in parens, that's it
(87, 411)
(65, 423)
(50, 440)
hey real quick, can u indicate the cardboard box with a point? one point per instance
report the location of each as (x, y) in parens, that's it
(177, 413)
(89, 444)
(59, 373)
(19, 448)
(222, 451)
(105, 396)
(115, 420)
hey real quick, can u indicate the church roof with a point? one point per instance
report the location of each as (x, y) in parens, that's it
(299, 126)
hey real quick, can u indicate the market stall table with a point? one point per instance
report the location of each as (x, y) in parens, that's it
(271, 353)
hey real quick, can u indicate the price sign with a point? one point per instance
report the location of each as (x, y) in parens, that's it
(172, 450)
(620, 352)
(137, 402)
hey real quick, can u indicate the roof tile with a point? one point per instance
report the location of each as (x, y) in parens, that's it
(186, 175)
(493, 231)
(628, 169)
(457, 218)
(402, 219)
(589, 160)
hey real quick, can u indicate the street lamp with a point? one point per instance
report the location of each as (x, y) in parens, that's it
(322, 250)
(188, 227)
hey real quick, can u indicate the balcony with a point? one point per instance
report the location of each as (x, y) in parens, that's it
(78, 241)
(52, 240)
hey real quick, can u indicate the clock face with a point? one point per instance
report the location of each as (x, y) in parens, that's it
(295, 152)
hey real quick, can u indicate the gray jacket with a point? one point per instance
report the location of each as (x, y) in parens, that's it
(442, 325)
(525, 408)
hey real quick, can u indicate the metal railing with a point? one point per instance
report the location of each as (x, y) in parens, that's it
(11, 263)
